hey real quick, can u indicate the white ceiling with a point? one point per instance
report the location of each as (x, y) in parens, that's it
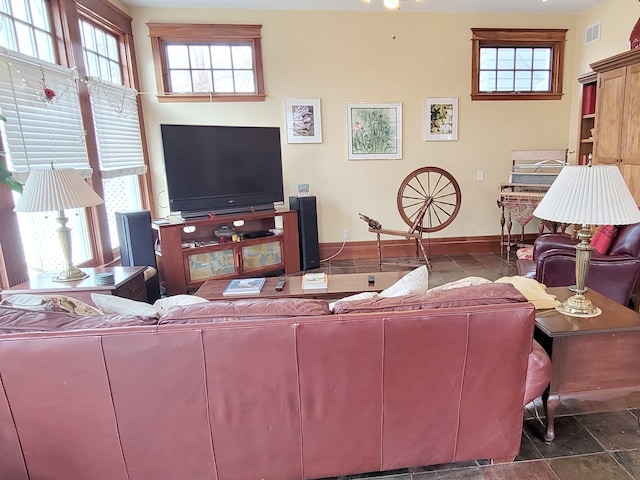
(454, 6)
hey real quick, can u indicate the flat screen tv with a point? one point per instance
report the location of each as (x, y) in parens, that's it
(222, 169)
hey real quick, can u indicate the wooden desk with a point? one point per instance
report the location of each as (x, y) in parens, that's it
(592, 358)
(339, 285)
(129, 283)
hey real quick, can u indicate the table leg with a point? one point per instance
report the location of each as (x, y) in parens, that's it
(550, 403)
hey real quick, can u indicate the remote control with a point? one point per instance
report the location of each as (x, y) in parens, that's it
(371, 279)
(280, 284)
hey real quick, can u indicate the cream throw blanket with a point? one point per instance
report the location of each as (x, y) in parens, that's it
(533, 291)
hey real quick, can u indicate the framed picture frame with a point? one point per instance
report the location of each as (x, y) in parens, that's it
(441, 119)
(374, 131)
(304, 122)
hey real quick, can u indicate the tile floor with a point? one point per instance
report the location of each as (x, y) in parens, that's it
(598, 441)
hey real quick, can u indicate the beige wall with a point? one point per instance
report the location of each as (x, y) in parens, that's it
(343, 57)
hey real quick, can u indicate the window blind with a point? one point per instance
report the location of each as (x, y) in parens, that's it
(43, 126)
(115, 115)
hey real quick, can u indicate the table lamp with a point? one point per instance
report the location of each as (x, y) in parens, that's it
(58, 189)
(587, 195)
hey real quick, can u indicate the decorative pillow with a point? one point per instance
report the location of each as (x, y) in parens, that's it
(123, 306)
(414, 282)
(164, 304)
(246, 309)
(463, 282)
(532, 290)
(351, 298)
(486, 294)
(50, 303)
(525, 253)
(17, 320)
(602, 239)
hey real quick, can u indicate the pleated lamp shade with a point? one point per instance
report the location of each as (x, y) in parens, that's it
(589, 195)
(54, 190)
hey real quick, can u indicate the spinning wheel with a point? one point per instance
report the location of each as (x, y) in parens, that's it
(429, 199)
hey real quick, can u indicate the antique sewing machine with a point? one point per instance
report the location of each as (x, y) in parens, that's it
(532, 173)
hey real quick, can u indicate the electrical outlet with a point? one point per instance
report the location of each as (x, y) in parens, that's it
(347, 234)
(481, 175)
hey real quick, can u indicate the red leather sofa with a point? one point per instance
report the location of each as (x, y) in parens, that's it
(279, 390)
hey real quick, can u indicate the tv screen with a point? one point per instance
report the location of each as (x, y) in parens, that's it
(222, 169)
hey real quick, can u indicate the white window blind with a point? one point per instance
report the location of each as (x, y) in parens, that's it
(43, 126)
(115, 115)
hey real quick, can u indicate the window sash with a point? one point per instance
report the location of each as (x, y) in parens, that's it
(117, 128)
(41, 132)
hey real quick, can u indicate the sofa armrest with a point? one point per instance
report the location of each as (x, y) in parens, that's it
(538, 373)
(614, 276)
(553, 241)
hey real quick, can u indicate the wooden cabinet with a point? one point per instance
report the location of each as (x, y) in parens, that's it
(617, 129)
(189, 252)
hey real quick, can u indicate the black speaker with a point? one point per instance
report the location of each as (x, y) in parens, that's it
(307, 230)
(136, 245)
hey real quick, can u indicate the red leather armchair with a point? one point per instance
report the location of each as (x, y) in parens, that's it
(614, 274)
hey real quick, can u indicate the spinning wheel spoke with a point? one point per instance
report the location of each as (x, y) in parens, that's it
(432, 192)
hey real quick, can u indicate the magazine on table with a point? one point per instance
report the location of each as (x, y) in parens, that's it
(244, 286)
(314, 280)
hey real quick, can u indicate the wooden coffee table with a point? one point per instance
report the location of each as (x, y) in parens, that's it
(592, 358)
(339, 285)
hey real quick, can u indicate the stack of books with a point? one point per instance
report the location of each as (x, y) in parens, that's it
(244, 286)
(314, 281)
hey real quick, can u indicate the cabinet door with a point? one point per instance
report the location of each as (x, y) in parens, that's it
(631, 123)
(630, 149)
(609, 114)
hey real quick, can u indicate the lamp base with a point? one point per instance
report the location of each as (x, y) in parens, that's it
(70, 274)
(578, 306)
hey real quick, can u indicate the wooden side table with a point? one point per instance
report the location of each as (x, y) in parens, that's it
(592, 359)
(128, 283)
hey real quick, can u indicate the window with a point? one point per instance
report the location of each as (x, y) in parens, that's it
(101, 56)
(115, 118)
(35, 33)
(207, 62)
(517, 64)
(25, 28)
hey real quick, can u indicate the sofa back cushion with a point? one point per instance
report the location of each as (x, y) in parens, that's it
(245, 309)
(486, 294)
(627, 241)
(17, 320)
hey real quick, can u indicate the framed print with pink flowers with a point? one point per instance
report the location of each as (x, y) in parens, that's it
(374, 131)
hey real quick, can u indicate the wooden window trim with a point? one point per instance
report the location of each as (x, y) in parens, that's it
(161, 33)
(518, 37)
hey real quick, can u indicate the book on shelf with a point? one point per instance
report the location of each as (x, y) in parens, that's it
(314, 281)
(244, 286)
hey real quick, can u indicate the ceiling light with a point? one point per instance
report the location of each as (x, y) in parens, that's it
(392, 4)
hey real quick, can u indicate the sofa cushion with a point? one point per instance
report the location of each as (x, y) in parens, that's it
(485, 294)
(17, 320)
(414, 282)
(245, 308)
(50, 303)
(123, 306)
(463, 282)
(601, 240)
(164, 304)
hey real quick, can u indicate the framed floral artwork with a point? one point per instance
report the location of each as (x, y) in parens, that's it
(374, 131)
(304, 124)
(441, 119)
